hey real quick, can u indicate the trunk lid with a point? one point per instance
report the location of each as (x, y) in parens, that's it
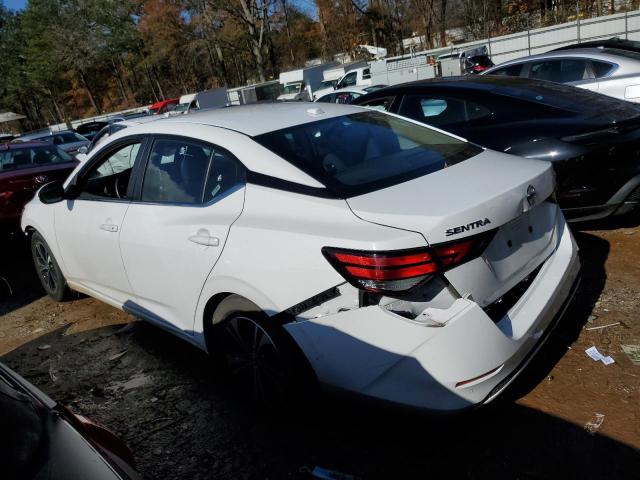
(489, 191)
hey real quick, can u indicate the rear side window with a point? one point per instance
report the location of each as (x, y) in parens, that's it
(441, 111)
(366, 74)
(189, 172)
(21, 158)
(561, 71)
(363, 152)
(602, 69)
(510, 71)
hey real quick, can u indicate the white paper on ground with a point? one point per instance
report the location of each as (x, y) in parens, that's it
(597, 356)
(594, 353)
(608, 360)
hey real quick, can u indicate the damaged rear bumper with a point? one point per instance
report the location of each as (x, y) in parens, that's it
(467, 361)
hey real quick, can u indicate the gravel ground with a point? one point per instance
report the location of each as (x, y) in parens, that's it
(181, 420)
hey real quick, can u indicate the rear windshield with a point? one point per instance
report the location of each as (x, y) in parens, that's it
(584, 102)
(363, 152)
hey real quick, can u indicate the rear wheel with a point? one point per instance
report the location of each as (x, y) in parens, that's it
(47, 269)
(258, 355)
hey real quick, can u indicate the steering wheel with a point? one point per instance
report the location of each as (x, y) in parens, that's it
(121, 184)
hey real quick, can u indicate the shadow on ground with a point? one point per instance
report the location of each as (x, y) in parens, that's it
(19, 284)
(630, 220)
(593, 254)
(181, 421)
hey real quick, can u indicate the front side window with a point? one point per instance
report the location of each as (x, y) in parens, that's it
(382, 103)
(441, 111)
(561, 71)
(346, 97)
(109, 178)
(327, 98)
(349, 80)
(69, 137)
(362, 152)
(31, 157)
(188, 172)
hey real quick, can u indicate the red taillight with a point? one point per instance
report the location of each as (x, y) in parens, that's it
(396, 272)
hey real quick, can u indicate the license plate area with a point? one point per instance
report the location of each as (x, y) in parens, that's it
(519, 243)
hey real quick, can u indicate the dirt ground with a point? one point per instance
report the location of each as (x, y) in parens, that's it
(181, 420)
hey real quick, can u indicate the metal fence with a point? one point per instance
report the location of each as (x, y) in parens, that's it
(415, 66)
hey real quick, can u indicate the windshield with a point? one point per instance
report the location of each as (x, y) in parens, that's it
(182, 107)
(363, 152)
(293, 88)
(327, 84)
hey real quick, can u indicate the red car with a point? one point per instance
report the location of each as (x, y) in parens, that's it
(163, 106)
(25, 167)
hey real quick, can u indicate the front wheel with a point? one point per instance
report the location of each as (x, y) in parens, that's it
(47, 269)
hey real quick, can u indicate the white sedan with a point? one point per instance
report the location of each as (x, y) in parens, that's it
(609, 71)
(389, 258)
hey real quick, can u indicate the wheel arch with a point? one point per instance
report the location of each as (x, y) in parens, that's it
(212, 314)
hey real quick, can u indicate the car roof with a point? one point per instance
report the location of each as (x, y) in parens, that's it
(256, 119)
(487, 83)
(615, 42)
(612, 55)
(34, 136)
(23, 145)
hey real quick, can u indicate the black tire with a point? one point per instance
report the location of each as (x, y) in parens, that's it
(48, 270)
(257, 353)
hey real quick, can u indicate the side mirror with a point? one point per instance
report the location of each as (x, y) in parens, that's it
(52, 192)
(83, 149)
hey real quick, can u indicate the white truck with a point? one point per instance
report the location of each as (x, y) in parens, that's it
(259, 92)
(347, 75)
(214, 98)
(300, 84)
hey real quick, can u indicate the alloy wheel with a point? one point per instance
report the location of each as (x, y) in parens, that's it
(46, 267)
(254, 360)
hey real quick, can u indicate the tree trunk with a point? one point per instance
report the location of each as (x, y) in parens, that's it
(443, 23)
(250, 16)
(92, 99)
(116, 73)
(288, 31)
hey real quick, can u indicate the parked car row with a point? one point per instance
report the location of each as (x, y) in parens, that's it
(410, 247)
(362, 171)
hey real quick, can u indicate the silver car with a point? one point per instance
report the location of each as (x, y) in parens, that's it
(609, 71)
(67, 140)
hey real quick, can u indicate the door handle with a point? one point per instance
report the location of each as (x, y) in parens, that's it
(203, 237)
(109, 227)
(41, 179)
